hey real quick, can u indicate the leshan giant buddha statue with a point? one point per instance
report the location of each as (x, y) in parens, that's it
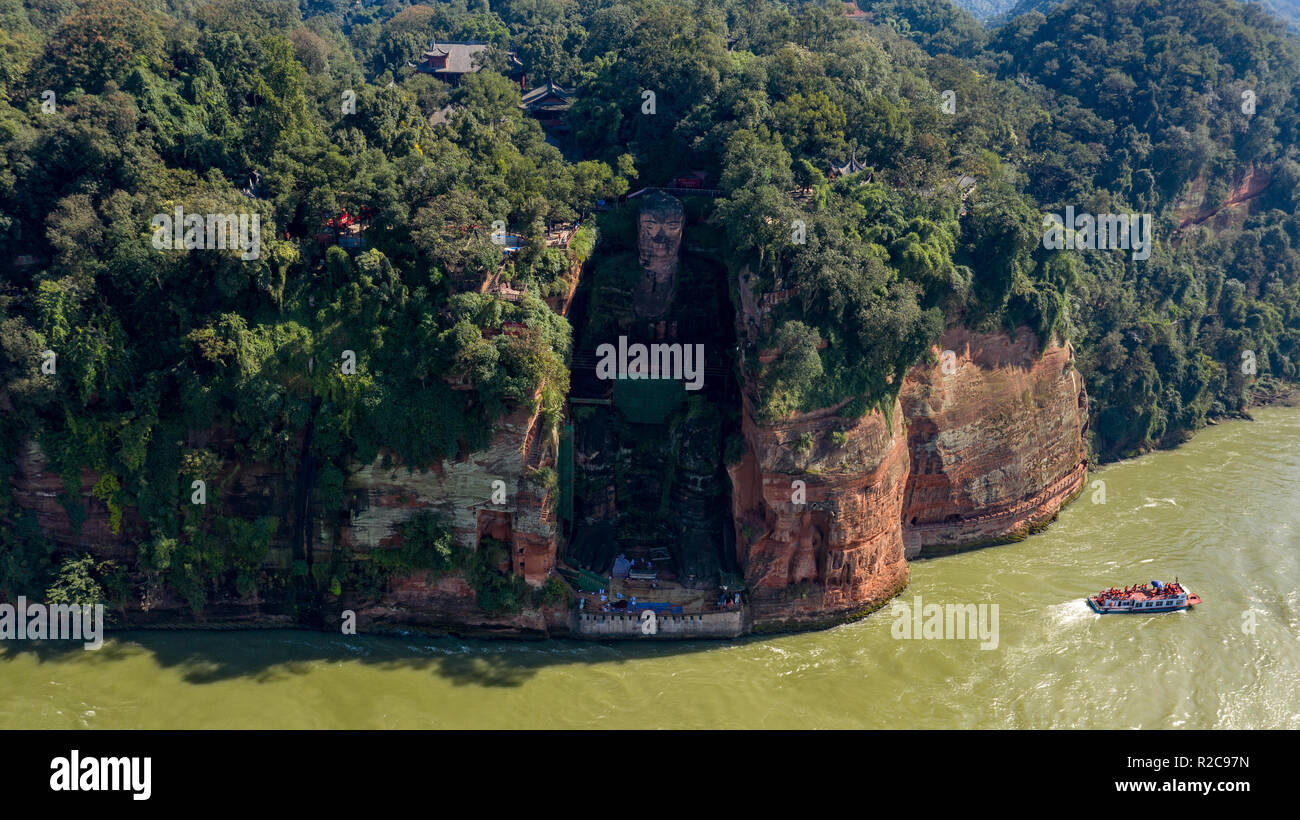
(659, 242)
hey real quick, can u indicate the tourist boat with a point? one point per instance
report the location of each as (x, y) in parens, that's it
(1153, 597)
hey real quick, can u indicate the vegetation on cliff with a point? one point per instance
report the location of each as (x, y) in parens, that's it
(1148, 105)
(243, 107)
(311, 116)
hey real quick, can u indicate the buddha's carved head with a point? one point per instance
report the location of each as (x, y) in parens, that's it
(659, 237)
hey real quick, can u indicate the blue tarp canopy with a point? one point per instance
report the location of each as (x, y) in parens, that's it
(671, 609)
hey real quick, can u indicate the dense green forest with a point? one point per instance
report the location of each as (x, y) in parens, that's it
(115, 111)
(157, 108)
(996, 12)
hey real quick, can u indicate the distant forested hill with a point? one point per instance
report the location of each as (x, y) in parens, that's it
(1019, 7)
(985, 10)
(939, 26)
(992, 11)
(1288, 10)
(1151, 102)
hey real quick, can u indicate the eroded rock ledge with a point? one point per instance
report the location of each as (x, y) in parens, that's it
(980, 448)
(997, 445)
(819, 531)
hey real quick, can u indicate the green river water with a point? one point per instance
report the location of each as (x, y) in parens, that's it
(1221, 512)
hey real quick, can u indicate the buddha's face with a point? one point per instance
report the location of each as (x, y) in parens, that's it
(659, 238)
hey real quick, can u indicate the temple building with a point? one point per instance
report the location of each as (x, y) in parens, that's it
(451, 61)
(846, 168)
(548, 104)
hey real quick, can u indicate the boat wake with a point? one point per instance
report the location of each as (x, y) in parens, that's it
(1069, 613)
(1158, 502)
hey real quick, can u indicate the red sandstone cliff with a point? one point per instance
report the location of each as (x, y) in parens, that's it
(832, 547)
(380, 501)
(1192, 209)
(979, 448)
(37, 489)
(463, 491)
(984, 446)
(997, 444)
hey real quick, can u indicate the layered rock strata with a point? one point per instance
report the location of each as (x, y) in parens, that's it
(980, 448)
(817, 501)
(996, 436)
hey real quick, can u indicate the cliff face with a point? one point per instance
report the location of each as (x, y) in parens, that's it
(983, 447)
(996, 437)
(482, 494)
(1241, 200)
(380, 500)
(979, 448)
(39, 490)
(247, 491)
(486, 493)
(819, 530)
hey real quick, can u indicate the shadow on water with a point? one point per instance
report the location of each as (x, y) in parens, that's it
(265, 655)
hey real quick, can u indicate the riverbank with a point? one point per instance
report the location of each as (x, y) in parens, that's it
(1275, 393)
(558, 623)
(1218, 512)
